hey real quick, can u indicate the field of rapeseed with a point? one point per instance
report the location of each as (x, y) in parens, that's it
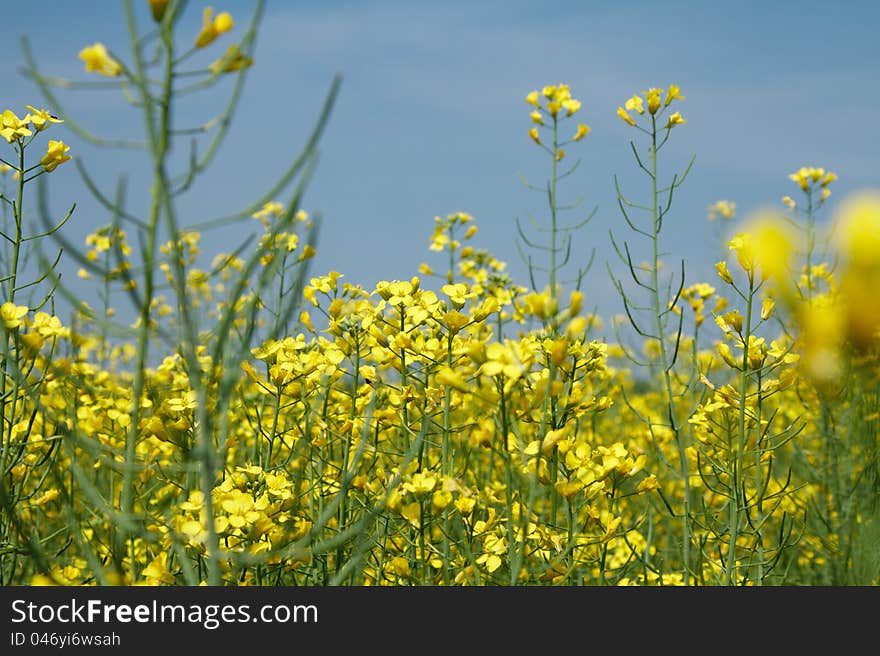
(262, 424)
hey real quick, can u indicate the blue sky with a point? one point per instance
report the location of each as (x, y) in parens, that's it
(431, 117)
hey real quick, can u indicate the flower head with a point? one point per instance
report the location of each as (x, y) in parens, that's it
(558, 98)
(653, 97)
(723, 208)
(213, 26)
(233, 60)
(767, 243)
(674, 93)
(97, 59)
(582, 131)
(858, 230)
(12, 314)
(56, 153)
(675, 119)
(13, 128)
(635, 104)
(623, 114)
(571, 105)
(41, 118)
(808, 177)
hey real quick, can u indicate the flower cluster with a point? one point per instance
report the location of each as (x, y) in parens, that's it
(653, 101)
(551, 105)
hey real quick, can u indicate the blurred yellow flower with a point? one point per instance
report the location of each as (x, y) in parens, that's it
(766, 243)
(675, 119)
(12, 315)
(653, 97)
(723, 272)
(857, 229)
(635, 104)
(622, 113)
(582, 131)
(98, 60)
(674, 93)
(233, 60)
(571, 105)
(723, 208)
(212, 26)
(421, 483)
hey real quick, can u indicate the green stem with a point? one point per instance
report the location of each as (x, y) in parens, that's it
(664, 357)
(737, 500)
(552, 200)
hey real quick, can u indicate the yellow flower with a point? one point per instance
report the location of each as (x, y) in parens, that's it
(537, 117)
(40, 118)
(12, 314)
(533, 133)
(723, 208)
(212, 26)
(458, 294)
(571, 105)
(635, 104)
(822, 333)
(806, 176)
(503, 360)
(767, 243)
(674, 93)
(156, 572)
(13, 128)
(723, 273)
(97, 59)
(653, 97)
(675, 119)
(233, 60)
(549, 92)
(449, 378)
(562, 93)
(56, 153)
(648, 484)
(857, 226)
(532, 98)
(582, 131)
(622, 113)
(421, 483)
(560, 154)
(827, 179)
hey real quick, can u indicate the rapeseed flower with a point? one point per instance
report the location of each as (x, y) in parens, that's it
(213, 26)
(56, 153)
(12, 315)
(13, 128)
(98, 60)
